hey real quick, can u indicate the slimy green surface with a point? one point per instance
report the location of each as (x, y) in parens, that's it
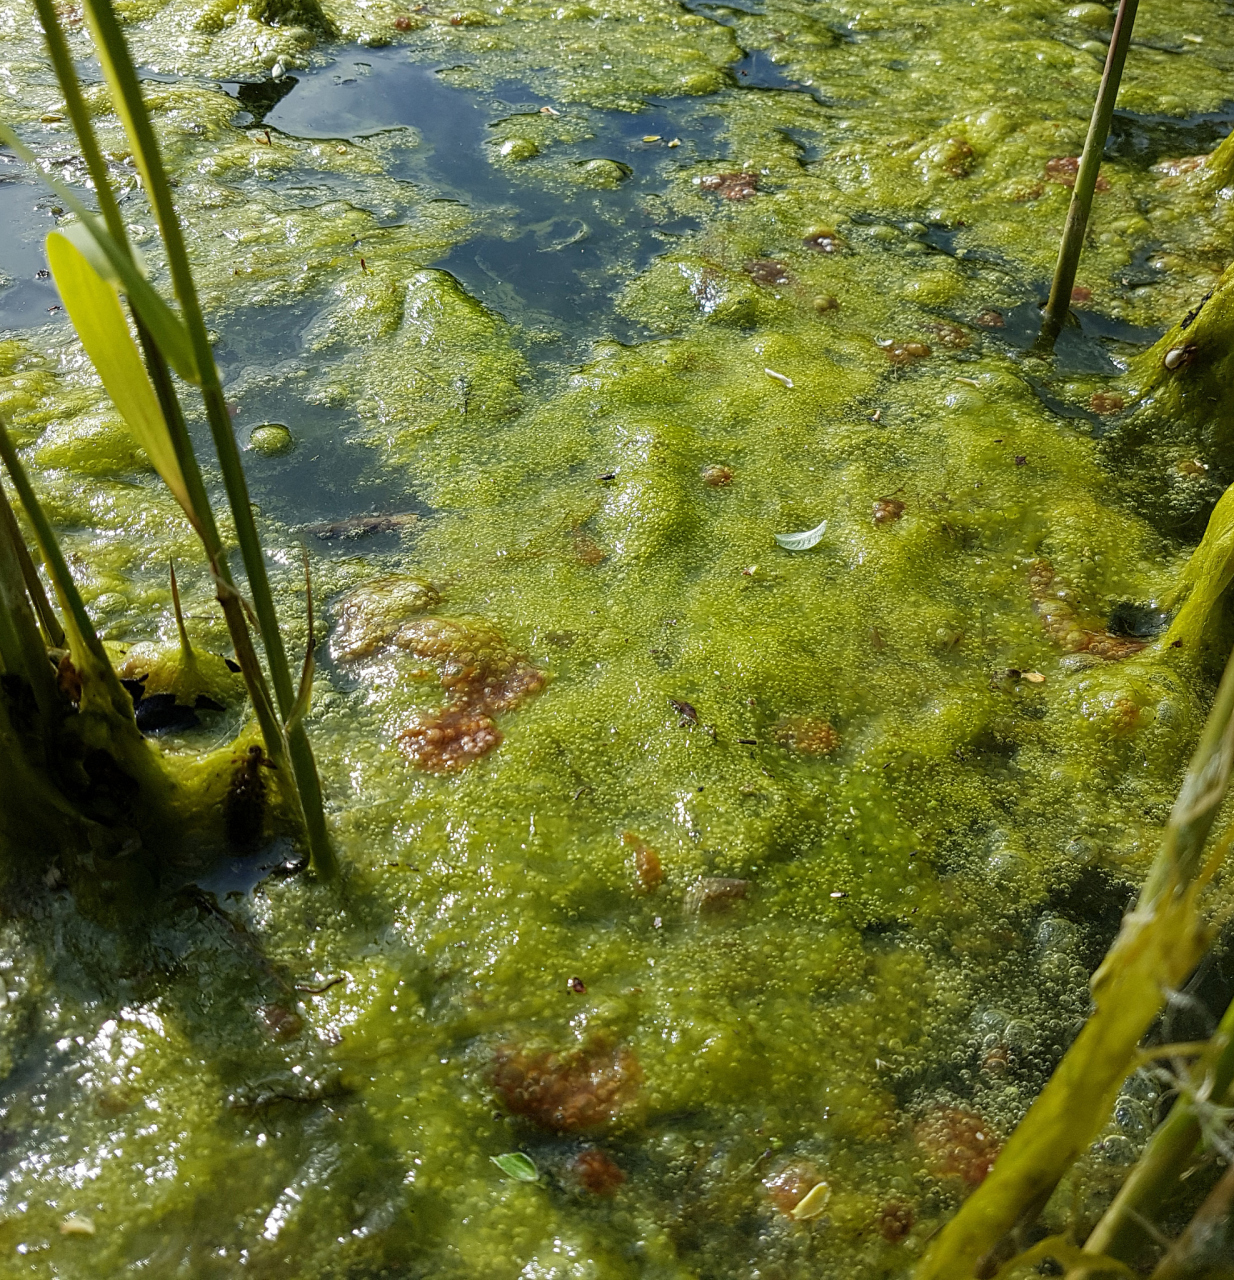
(788, 867)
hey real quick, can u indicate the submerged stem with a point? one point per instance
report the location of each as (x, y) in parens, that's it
(1059, 304)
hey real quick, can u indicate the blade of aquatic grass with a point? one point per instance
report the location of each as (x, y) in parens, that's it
(1059, 304)
(53, 632)
(159, 317)
(1159, 944)
(121, 76)
(1122, 1233)
(94, 309)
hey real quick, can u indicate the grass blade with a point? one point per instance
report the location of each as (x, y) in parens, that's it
(95, 311)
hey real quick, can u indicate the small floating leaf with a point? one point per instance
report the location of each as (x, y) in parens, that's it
(514, 1164)
(812, 1203)
(802, 541)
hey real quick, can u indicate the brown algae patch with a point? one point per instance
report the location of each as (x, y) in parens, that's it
(471, 661)
(568, 1092)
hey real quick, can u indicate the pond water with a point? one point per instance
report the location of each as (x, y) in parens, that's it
(728, 871)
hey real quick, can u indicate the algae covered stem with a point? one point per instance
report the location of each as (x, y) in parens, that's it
(1059, 302)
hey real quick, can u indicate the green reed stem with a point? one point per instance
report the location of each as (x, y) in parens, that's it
(1059, 304)
(79, 116)
(1159, 944)
(1121, 1232)
(66, 589)
(126, 88)
(24, 650)
(53, 632)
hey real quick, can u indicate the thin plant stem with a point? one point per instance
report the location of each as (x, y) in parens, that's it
(122, 77)
(186, 648)
(53, 632)
(1121, 1233)
(1184, 1255)
(1059, 304)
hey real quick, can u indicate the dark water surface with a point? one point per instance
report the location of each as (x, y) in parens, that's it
(542, 258)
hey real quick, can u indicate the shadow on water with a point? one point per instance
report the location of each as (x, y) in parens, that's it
(1145, 140)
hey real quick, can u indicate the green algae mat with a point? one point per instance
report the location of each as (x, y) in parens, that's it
(715, 900)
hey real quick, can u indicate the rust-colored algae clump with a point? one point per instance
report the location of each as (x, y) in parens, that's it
(806, 735)
(567, 1092)
(887, 510)
(957, 1143)
(648, 870)
(595, 1172)
(731, 186)
(1062, 623)
(480, 673)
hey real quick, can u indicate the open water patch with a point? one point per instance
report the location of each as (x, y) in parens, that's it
(27, 295)
(543, 257)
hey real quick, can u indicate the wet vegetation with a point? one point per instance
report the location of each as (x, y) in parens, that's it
(761, 674)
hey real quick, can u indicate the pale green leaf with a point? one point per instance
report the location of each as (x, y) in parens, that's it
(802, 541)
(514, 1164)
(95, 311)
(81, 236)
(812, 1204)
